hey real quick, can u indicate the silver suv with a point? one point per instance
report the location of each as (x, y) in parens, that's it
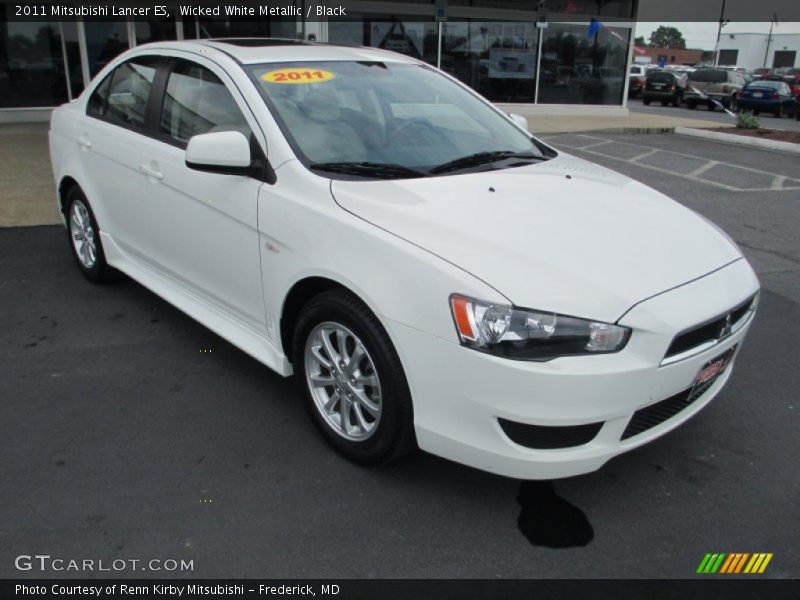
(717, 84)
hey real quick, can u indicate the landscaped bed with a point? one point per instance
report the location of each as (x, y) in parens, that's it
(766, 134)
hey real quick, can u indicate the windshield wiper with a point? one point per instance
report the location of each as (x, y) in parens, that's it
(481, 158)
(380, 170)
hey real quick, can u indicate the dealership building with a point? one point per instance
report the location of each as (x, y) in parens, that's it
(571, 57)
(754, 50)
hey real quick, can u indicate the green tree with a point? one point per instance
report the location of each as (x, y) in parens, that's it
(667, 37)
(640, 41)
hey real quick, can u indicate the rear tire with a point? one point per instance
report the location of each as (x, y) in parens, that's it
(664, 102)
(84, 238)
(691, 104)
(353, 382)
(778, 111)
(711, 106)
(646, 101)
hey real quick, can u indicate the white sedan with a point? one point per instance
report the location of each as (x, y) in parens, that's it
(433, 276)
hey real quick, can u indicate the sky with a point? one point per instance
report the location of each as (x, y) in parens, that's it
(704, 35)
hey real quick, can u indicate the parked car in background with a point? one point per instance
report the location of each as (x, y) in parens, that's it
(666, 87)
(761, 73)
(778, 74)
(793, 81)
(636, 80)
(747, 75)
(769, 96)
(712, 83)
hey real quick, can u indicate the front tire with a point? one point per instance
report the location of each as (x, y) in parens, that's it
(354, 385)
(84, 238)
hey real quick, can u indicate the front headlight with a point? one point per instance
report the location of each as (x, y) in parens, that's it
(531, 335)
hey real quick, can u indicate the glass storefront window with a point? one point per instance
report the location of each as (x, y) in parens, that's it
(105, 40)
(579, 69)
(410, 37)
(74, 69)
(221, 27)
(155, 31)
(31, 64)
(497, 59)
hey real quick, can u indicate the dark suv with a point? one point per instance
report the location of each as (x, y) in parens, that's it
(664, 86)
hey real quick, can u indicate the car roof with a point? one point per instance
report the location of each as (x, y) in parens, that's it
(267, 50)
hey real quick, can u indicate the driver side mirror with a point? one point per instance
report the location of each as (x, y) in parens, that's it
(224, 152)
(519, 121)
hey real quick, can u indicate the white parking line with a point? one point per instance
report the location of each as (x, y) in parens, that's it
(595, 144)
(644, 155)
(778, 181)
(709, 165)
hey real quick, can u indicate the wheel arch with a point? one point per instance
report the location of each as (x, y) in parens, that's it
(295, 299)
(298, 296)
(66, 183)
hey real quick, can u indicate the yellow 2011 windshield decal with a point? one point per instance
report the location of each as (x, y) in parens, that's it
(297, 75)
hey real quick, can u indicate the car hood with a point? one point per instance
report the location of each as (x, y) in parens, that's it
(564, 235)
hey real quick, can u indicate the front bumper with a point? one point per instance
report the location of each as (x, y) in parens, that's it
(460, 394)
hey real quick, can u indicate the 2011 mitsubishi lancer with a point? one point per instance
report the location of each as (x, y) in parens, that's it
(432, 274)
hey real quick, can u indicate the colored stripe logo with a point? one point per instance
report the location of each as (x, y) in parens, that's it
(734, 562)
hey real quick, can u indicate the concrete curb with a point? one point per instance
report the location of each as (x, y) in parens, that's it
(740, 140)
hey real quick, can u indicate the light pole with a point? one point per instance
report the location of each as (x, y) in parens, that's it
(722, 24)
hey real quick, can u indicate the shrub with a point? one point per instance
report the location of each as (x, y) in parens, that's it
(747, 120)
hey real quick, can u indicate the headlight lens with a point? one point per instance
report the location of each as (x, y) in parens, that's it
(531, 335)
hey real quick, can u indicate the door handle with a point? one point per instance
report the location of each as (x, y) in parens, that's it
(84, 143)
(151, 172)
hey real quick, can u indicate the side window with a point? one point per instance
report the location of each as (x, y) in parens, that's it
(198, 102)
(122, 96)
(97, 101)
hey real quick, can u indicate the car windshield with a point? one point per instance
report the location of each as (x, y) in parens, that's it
(376, 119)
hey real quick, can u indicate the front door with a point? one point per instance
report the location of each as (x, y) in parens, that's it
(204, 225)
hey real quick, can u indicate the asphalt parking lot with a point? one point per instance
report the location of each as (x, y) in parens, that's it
(767, 121)
(127, 430)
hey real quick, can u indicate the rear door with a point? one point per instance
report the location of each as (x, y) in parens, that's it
(204, 225)
(110, 136)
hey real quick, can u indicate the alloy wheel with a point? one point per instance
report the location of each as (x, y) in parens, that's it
(82, 234)
(343, 381)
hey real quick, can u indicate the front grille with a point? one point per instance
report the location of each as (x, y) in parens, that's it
(655, 414)
(548, 438)
(710, 331)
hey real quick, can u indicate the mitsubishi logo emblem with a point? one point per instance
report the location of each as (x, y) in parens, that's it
(725, 331)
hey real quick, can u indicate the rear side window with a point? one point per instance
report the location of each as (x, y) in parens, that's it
(198, 102)
(122, 96)
(709, 76)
